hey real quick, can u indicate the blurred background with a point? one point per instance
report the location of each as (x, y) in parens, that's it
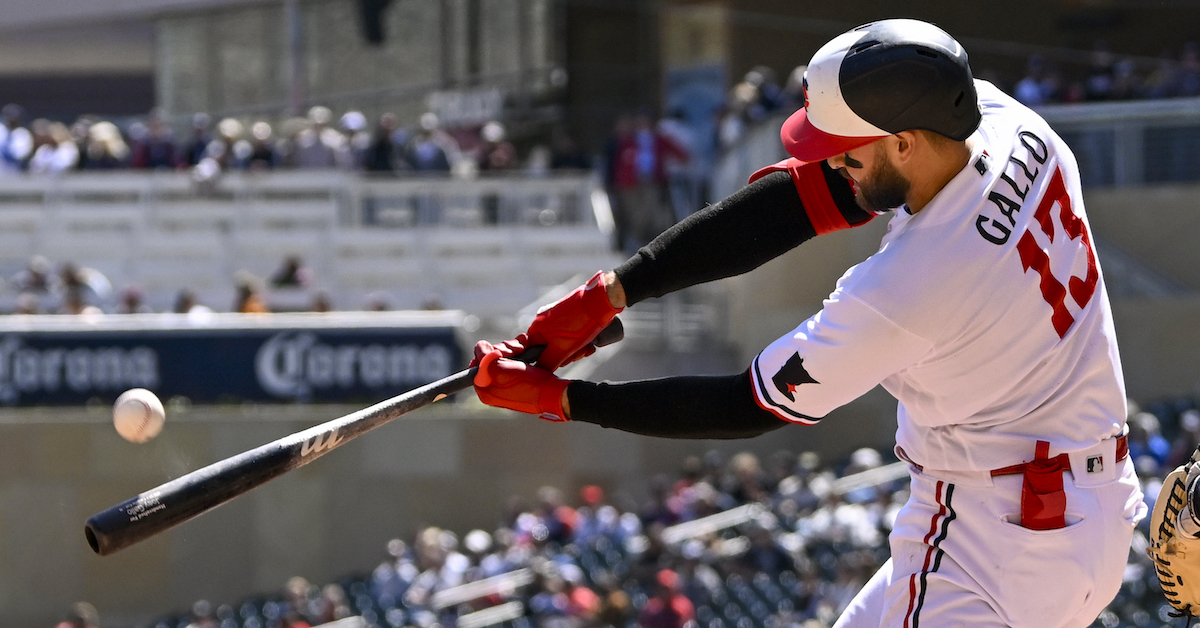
(275, 212)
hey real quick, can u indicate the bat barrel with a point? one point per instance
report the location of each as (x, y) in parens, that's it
(185, 497)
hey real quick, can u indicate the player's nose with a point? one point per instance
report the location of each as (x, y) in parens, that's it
(837, 161)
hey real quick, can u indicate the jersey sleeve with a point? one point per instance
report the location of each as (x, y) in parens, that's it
(832, 358)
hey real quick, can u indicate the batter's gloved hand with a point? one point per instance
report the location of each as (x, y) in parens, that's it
(566, 327)
(518, 386)
(1174, 546)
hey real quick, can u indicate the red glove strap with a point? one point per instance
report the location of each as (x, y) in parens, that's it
(569, 326)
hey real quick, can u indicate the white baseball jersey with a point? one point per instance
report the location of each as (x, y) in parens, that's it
(984, 314)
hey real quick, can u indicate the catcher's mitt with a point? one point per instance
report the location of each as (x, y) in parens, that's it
(1176, 556)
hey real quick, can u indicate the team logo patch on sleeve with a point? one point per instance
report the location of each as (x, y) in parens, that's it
(792, 375)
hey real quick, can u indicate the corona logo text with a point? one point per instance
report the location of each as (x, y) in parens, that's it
(294, 365)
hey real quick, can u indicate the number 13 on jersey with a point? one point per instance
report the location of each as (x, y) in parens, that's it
(1035, 258)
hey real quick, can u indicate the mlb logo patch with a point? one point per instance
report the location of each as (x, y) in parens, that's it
(1095, 464)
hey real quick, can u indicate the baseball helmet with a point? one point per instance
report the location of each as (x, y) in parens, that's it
(877, 80)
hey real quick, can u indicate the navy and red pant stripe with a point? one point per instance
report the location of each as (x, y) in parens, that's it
(939, 525)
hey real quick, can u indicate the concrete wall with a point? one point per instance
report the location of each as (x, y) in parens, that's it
(237, 60)
(1157, 225)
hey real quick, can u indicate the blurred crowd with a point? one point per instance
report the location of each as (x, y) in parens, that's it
(796, 559)
(71, 288)
(1111, 77)
(318, 140)
(600, 560)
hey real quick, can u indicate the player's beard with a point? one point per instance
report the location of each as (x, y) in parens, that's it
(887, 188)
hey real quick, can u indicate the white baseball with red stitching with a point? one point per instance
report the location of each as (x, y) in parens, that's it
(138, 415)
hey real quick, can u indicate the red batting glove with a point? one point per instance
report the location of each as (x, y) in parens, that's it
(569, 326)
(518, 386)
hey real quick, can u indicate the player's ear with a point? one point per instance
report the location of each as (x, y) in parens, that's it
(904, 145)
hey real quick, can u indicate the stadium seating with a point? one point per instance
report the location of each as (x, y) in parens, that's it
(407, 242)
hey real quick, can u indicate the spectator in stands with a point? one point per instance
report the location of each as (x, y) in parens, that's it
(331, 606)
(394, 575)
(1186, 440)
(637, 173)
(494, 152)
(249, 299)
(197, 145)
(768, 96)
(1099, 82)
(747, 483)
(1126, 84)
(81, 615)
(263, 154)
(566, 153)
(16, 142)
(553, 513)
(615, 606)
(765, 554)
(1146, 439)
(157, 149)
(431, 149)
(106, 148)
(353, 125)
(1163, 81)
(37, 277)
(583, 604)
(383, 155)
(1031, 89)
(1189, 70)
(82, 286)
(203, 615)
(131, 302)
(669, 608)
(292, 274)
(187, 303)
(57, 152)
(319, 145)
(223, 147)
(74, 303)
(683, 179)
(321, 302)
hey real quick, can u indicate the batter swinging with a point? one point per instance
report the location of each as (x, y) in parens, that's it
(984, 313)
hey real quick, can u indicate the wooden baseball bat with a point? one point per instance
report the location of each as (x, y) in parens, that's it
(187, 496)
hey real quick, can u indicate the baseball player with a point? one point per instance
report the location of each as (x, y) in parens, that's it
(983, 312)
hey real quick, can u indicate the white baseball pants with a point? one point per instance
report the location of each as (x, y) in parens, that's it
(958, 558)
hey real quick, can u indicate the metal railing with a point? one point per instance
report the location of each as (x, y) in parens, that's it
(1131, 143)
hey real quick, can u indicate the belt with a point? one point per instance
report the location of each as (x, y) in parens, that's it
(1043, 502)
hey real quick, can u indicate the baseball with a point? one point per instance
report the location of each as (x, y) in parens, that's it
(138, 415)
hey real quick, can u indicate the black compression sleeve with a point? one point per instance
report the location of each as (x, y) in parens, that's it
(674, 407)
(742, 232)
(749, 228)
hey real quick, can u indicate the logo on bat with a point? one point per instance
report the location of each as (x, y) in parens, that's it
(320, 443)
(791, 375)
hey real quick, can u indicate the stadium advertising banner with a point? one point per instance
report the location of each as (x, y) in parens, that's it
(341, 357)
